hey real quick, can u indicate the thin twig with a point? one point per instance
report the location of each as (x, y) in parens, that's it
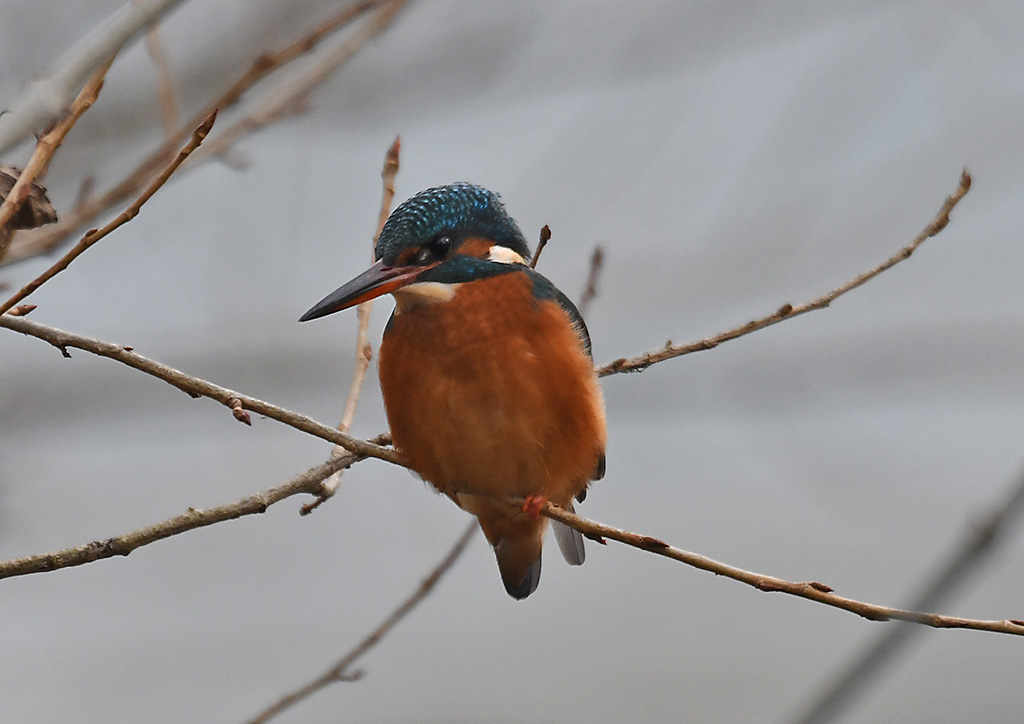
(363, 349)
(127, 215)
(787, 311)
(47, 145)
(48, 95)
(196, 387)
(590, 290)
(41, 242)
(979, 540)
(812, 590)
(340, 670)
(545, 237)
(364, 352)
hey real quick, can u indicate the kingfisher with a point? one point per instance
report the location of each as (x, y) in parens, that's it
(486, 372)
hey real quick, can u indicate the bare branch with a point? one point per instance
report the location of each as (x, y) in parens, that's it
(127, 215)
(40, 242)
(47, 145)
(122, 545)
(340, 671)
(812, 590)
(48, 96)
(787, 311)
(196, 387)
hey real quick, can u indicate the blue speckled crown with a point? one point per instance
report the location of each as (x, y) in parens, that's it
(458, 209)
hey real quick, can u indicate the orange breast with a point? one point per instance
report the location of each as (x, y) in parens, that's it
(491, 394)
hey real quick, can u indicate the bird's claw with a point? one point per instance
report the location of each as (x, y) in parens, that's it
(533, 505)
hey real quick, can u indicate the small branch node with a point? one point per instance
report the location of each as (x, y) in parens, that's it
(239, 412)
(651, 542)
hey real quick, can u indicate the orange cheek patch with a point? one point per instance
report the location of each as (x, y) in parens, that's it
(475, 246)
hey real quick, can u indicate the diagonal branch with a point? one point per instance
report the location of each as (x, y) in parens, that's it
(122, 545)
(196, 387)
(340, 671)
(812, 590)
(787, 311)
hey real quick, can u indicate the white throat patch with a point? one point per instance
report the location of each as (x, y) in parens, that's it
(419, 293)
(504, 255)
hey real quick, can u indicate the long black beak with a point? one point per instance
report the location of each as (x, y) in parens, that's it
(372, 283)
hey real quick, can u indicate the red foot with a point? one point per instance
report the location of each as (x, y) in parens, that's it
(533, 505)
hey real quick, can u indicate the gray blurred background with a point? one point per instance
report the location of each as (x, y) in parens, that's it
(730, 157)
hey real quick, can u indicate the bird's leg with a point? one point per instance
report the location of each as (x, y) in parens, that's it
(533, 505)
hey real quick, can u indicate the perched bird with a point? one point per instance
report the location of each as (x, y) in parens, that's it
(485, 369)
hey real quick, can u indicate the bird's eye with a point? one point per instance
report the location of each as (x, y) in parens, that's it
(440, 246)
(434, 250)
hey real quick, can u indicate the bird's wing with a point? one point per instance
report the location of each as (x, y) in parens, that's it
(544, 289)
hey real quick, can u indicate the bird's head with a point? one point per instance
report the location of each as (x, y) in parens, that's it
(439, 238)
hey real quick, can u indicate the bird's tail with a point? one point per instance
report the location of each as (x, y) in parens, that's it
(517, 542)
(519, 561)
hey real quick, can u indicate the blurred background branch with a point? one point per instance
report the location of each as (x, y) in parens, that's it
(47, 97)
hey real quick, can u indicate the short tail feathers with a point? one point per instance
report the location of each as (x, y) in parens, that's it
(519, 563)
(570, 542)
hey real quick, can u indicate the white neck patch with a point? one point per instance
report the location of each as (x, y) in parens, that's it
(413, 295)
(504, 255)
